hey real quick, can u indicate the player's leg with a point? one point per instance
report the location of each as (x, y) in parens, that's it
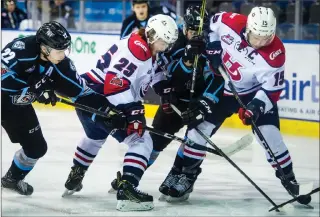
(134, 165)
(95, 136)
(194, 156)
(270, 128)
(22, 126)
(169, 123)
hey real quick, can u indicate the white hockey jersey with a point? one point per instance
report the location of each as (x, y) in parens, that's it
(126, 70)
(251, 70)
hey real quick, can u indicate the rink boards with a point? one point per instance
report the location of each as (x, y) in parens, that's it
(299, 101)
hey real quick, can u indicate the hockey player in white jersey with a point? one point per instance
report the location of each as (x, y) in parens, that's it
(254, 58)
(123, 75)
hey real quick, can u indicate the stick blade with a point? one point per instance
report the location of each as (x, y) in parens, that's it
(238, 145)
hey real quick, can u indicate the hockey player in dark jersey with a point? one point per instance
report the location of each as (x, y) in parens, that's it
(33, 68)
(176, 90)
(140, 16)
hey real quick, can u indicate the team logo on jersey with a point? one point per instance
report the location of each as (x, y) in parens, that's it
(19, 45)
(274, 54)
(26, 99)
(241, 46)
(116, 81)
(114, 85)
(144, 88)
(228, 39)
(232, 66)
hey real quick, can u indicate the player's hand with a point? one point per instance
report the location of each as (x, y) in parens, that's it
(198, 112)
(195, 46)
(117, 121)
(254, 109)
(136, 121)
(44, 91)
(213, 53)
(168, 97)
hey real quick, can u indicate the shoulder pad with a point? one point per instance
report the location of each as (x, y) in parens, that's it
(274, 54)
(139, 47)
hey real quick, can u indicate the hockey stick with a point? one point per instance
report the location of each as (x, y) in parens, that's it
(294, 199)
(259, 134)
(235, 166)
(231, 149)
(228, 159)
(196, 58)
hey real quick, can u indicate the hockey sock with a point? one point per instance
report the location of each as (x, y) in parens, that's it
(277, 146)
(134, 167)
(86, 151)
(21, 165)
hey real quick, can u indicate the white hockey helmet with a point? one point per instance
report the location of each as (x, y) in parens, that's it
(162, 27)
(261, 22)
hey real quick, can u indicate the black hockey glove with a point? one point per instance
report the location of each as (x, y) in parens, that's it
(136, 121)
(97, 101)
(255, 108)
(213, 53)
(44, 91)
(195, 46)
(198, 112)
(168, 97)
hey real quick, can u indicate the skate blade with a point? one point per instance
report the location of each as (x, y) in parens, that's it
(163, 197)
(67, 193)
(127, 206)
(112, 191)
(170, 199)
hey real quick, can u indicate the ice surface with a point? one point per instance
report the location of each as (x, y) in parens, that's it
(220, 190)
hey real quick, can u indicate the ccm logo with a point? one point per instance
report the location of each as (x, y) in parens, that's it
(167, 90)
(205, 104)
(212, 52)
(137, 112)
(136, 42)
(42, 81)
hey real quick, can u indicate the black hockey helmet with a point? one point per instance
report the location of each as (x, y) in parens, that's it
(139, 1)
(192, 18)
(54, 35)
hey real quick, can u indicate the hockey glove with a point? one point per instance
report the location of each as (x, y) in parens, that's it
(254, 109)
(168, 97)
(198, 112)
(43, 91)
(136, 121)
(213, 53)
(195, 46)
(97, 101)
(114, 121)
